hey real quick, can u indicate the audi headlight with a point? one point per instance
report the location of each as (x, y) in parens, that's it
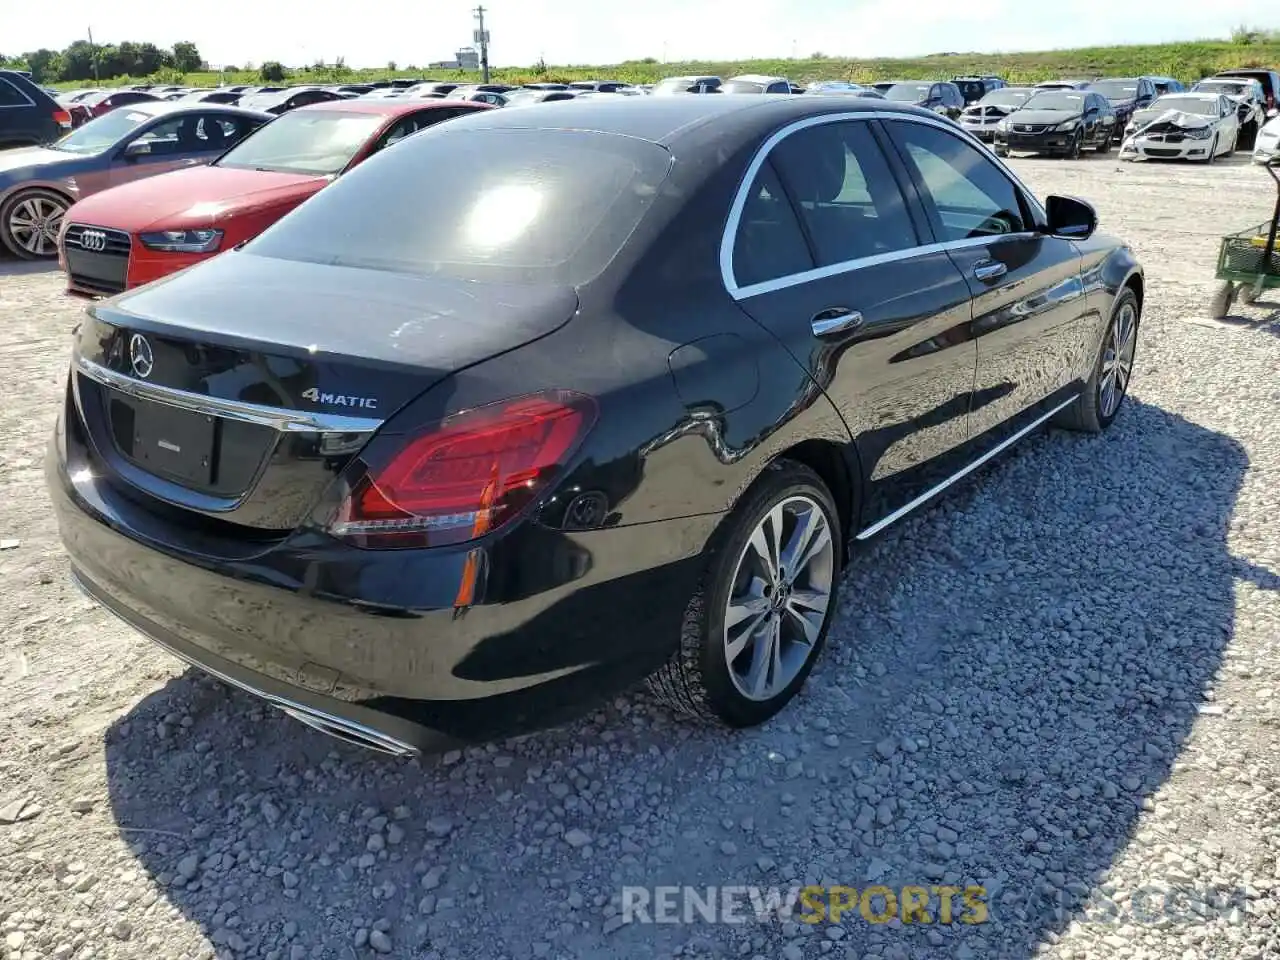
(1068, 125)
(183, 241)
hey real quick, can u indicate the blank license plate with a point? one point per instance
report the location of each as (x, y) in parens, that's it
(174, 443)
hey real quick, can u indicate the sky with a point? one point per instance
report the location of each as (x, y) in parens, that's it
(374, 32)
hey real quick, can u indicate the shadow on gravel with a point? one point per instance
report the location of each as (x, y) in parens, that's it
(13, 267)
(996, 702)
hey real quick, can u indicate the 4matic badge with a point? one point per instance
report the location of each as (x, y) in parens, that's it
(340, 399)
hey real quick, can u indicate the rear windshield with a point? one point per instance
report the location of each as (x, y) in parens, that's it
(506, 205)
(1116, 89)
(909, 92)
(972, 89)
(741, 86)
(318, 142)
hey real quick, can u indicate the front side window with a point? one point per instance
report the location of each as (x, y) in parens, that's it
(847, 197)
(969, 195)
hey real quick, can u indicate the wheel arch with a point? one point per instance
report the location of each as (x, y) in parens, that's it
(833, 464)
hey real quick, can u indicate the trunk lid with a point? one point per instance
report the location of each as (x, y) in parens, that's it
(240, 388)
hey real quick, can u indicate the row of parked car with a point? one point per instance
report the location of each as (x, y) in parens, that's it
(76, 197)
(1147, 117)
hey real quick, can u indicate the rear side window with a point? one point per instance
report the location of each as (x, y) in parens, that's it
(769, 243)
(848, 199)
(11, 96)
(970, 197)
(505, 205)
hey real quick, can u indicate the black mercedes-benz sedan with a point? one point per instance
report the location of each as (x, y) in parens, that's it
(540, 403)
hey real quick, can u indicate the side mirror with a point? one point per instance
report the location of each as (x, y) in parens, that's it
(1070, 218)
(139, 148)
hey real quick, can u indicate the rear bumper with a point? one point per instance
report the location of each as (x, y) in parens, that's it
(372, 639)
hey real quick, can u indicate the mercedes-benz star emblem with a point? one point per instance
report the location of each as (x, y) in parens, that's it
(140, 356)
(94, 240)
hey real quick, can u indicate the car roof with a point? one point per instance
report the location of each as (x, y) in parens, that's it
(388, 107)
(667, 121)
(158, 108)
(757, 78)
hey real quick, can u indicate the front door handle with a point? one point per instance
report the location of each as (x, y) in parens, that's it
(835, 320)
(990, 270)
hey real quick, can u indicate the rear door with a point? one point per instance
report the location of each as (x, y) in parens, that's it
(831, 257)
(1030, 315)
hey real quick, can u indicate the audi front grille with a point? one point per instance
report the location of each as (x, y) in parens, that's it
(97, 258)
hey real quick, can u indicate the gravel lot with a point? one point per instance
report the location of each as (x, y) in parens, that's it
(1061, 683)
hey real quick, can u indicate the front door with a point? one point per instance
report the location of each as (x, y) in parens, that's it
(1031, 320)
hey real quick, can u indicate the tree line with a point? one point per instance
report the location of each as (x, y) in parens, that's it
(83, 61)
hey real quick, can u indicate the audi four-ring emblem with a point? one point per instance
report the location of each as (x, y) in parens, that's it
(93, 240)
(141, 358)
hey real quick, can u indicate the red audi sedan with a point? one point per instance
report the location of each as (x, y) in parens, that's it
(125, 237)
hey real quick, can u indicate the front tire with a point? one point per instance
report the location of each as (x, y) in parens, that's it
(1105, 145)
(757, 625)
(1213, 151)
(1073, 151)
(1096, 408)
(30, 221)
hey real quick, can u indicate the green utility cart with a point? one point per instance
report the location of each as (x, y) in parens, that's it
(1249, 262)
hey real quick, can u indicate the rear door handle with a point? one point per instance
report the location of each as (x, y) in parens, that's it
(990, 270)
(835, 320)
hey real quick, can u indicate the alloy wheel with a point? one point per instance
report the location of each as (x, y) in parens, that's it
(34, 223)
(1117, 360)
(780, 598)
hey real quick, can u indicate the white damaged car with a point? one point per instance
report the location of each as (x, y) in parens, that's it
(1267, 146)
(1183, 126)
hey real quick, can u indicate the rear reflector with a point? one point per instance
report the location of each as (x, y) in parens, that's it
(469, 476)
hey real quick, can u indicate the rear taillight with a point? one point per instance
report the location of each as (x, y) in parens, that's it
(62, 118)
(470, 475)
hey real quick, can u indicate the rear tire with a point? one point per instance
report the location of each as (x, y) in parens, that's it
(725, 669)
(1108, 385)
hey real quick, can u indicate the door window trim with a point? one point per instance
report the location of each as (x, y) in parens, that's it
(20, 92)
(729, 236)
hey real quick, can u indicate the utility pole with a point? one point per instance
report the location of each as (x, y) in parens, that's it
(93, 54)
(481, 37)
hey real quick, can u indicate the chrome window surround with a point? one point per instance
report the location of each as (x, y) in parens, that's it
(278, 418)
(730, 234)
